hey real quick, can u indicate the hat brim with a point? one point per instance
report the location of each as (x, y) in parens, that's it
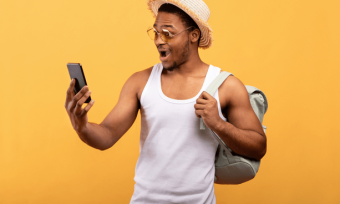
(206, 31)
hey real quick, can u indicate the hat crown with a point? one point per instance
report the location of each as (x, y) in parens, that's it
(198, 7)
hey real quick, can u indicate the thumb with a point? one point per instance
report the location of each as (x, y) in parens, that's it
(206, 95)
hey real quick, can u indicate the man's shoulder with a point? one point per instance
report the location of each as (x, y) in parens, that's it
(145, 72)
(142, 76)
(231, 83)
(232, 89)
(137, 79)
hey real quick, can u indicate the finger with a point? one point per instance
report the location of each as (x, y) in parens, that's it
(199, 113)
(70, 92)
(87, 108)
(199, 106)
(71, 88)
(82, 92)
(84, 98)
(201, 101)
(206, 95)
(201, 96)
(78, 96)
(78, 108)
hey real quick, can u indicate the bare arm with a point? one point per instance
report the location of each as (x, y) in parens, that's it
(123, 115)
(243, 132)
(104, 135)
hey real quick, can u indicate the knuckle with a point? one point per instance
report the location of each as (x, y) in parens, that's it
(87, 108)
(79, 103)
(74, 100)
(76, 114)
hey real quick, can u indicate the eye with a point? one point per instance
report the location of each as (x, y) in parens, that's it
(166, 33)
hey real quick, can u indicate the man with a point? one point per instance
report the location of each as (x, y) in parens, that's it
(176, 162)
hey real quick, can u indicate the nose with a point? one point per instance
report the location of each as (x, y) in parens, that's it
(158, 40)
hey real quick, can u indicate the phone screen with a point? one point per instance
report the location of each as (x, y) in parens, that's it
(76, 72)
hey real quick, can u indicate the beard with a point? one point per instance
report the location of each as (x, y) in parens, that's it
(172, 67)
(184, 55)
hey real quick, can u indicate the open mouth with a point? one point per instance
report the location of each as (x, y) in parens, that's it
(164, 55)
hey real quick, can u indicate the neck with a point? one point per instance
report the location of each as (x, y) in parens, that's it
(194, 66)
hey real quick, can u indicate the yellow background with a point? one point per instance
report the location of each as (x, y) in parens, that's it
(289, 49)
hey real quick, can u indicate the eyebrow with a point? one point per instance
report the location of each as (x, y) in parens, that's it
(168, 26)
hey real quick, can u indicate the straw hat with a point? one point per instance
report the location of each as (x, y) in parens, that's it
(196, 9)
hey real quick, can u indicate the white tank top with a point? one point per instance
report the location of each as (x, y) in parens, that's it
(176, 161)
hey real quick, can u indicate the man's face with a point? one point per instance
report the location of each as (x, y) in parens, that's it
(178, 49)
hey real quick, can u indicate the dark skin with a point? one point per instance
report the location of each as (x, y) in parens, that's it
(184, 59)
(182, 78)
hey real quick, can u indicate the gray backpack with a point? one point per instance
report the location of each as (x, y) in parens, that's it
(231, 168)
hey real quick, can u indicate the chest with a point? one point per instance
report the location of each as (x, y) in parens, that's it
(181, 88)
(186, 88)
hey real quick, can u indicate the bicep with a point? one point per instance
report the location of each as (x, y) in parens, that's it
(240, 112)
(123, 115)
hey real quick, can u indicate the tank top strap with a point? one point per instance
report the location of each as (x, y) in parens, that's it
(151, 86)
(214, 73)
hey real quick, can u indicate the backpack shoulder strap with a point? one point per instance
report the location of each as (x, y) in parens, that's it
(253, 89)
(213, 87)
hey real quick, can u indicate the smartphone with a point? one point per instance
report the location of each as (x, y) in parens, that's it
(76, 72)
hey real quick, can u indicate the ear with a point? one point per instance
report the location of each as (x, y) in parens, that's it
(195, 35)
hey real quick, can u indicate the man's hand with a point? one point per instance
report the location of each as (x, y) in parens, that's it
(73, 105)
(206, 107)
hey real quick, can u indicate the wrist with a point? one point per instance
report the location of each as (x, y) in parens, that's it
(82, 134)
(219, 126)
(81, 131)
